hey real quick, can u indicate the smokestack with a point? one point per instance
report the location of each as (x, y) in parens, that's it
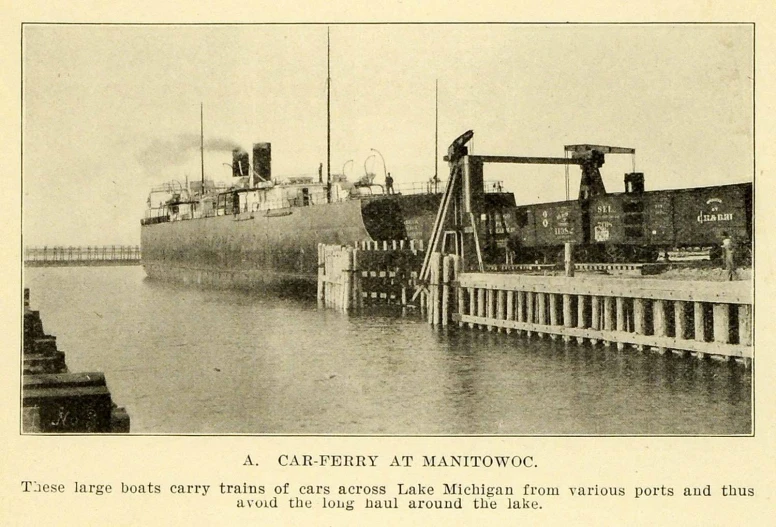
(262, 162)
(240, 163)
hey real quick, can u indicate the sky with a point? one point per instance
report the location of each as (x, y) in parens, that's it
(110, 111)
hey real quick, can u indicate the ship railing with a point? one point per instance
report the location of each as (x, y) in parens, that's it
(437, 187)
(160, 214)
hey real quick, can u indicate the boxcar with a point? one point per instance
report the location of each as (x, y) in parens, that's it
(634, 226)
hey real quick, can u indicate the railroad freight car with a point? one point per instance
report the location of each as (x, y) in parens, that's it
(634, 226)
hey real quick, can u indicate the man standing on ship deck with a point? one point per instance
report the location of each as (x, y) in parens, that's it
(388, 184)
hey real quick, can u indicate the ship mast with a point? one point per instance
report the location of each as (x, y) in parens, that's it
(328, 117)
(436, 136)
(202, 145)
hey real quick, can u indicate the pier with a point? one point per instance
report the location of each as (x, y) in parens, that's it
(55, 400)
(701, 318)
(58, 255)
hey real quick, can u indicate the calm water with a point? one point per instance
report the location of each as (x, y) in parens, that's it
(187, 360)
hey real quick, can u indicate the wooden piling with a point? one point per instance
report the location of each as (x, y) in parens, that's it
(659, 321)
(480, 302)
(553, 312)
(700, 326)
(608, 316)
(510, 314)
(639, 321)
(355, 297)
(680, 319)
(568, 259)
(490, 294)
(595, 316)
(745, 325)
(500, 306)
(721, 315)
(434, 311)
(447, 270)
(347, 291)
(472, 304)
(581, 315)
(460, 297)
(321, 271)
(620, 319)
(567, 315)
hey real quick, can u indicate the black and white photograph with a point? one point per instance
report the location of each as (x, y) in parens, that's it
(387, 264)
(388, 229)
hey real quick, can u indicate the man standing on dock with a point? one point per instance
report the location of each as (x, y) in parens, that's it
(729, 249)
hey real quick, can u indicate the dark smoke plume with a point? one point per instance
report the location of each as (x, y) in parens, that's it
(162, 153)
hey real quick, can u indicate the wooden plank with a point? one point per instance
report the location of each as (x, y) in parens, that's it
(737, 292)
(728, 350)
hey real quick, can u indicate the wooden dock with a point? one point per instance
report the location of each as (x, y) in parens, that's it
(702, 318)
(58, 256)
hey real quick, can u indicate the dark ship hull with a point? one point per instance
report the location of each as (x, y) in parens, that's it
(278, 248)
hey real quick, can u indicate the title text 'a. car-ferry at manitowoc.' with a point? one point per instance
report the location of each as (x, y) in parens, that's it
(259, 232)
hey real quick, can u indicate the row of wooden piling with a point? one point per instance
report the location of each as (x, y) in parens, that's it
(702, 318)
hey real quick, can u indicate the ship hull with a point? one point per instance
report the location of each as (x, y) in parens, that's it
(278, 249)
(264, 249)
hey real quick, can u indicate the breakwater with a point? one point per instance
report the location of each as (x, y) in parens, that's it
(55, 400)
